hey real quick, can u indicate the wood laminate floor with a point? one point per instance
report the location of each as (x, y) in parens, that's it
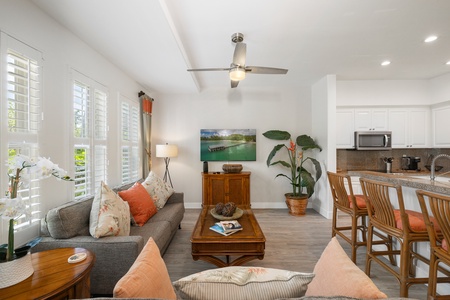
(292, 243)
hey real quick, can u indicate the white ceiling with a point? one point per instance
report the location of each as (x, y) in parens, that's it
(156, 41)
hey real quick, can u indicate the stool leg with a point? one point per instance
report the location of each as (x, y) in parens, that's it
(432, 280)
(354, 237)
(404, 268)
(334, 222)
(369, 249)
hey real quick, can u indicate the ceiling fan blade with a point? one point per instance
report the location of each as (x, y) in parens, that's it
(209, 69)
(239, 54)
(265, 70)
(234, 83)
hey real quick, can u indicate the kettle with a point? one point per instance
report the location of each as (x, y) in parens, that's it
(410, 162)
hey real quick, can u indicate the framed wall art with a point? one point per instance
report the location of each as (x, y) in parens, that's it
(228, 144)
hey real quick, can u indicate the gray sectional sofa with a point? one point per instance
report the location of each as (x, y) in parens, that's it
(68, 226)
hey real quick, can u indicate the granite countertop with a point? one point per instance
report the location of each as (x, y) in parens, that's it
(410, 179)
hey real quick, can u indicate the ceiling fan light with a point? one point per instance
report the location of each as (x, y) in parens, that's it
(237, 74)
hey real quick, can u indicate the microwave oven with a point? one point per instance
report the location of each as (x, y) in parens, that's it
(373, 140)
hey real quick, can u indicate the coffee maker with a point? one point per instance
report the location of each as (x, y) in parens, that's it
(410, 162)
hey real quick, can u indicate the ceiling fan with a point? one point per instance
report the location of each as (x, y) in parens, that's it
(238, 69)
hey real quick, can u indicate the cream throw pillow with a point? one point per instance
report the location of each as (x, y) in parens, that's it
(110, 215)
(159, 190)
(240, 283)
(337, 275)
(147, 278)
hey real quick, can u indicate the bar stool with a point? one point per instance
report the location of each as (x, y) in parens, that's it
(350, 204)
(436, 213)
(405, 226)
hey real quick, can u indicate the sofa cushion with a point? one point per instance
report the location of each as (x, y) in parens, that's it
(243, 283)
(141, 204)
(110, 215)
(159, 231)
(69, 219)
(337, 275)
(147, 278)
(159, 190)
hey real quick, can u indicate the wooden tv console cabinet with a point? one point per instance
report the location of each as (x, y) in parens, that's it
(226, 187)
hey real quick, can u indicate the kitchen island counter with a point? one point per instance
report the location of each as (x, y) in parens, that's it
(416, 180)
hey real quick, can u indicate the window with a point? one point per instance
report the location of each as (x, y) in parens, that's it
(89, 134)
(20, 108)
(130, 140)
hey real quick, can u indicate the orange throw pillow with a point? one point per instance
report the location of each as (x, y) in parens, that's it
(147, 278)
(142, 207)
(337, 275)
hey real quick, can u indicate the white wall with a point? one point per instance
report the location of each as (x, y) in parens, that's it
(178, 118)
(440, 89)
(383, 92)
(62, 51)
(324, 120)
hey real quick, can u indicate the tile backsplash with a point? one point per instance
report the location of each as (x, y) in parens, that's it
(353, 160)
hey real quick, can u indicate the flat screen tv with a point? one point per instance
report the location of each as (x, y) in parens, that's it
(228, 144)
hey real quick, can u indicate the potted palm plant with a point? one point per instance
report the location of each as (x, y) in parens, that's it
(301, 180)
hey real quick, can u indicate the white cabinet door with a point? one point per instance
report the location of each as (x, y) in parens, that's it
(419, 127)
(441, 126)
(410, 127)
(398, 124)
(345, 122)
(367, 119)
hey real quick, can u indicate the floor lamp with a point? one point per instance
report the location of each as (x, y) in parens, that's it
(167, 151)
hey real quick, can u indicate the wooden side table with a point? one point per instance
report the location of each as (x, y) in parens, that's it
(54, 277)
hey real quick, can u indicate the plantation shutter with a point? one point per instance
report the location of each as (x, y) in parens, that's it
(90, 106)
(130, 139)
(21, 67)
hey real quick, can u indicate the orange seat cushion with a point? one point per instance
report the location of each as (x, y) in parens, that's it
(416, 221)
(360, 201)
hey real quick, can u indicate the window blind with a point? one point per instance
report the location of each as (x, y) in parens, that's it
(23, 90)
(90, 124)
(130, 139)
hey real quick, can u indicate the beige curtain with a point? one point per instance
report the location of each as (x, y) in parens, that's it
(146, 132)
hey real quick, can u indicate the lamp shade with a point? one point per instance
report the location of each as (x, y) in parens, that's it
(237, 74)
(166, 150)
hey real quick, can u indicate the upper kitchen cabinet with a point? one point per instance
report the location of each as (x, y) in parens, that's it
(345, 124)
(440, 126)
(410, 127)
(367, 119)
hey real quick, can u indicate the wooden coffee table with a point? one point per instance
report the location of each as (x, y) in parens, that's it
(54, 277)
(208, 245)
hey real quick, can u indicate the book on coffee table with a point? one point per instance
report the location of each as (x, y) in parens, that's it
(220, 229)
(231, 225)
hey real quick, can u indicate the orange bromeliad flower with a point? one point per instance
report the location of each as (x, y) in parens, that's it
(292, 148)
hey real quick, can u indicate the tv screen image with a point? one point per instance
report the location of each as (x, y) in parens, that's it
(228, 144)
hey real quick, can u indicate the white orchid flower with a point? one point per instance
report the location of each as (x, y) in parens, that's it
(12, 208)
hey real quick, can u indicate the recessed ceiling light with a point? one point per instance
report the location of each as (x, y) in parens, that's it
(430, 39)
(448, 63)
(385, 63)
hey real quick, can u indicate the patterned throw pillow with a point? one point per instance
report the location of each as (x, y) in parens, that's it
(243, 283)
(110, 215)
(141, 204)
(159, 190)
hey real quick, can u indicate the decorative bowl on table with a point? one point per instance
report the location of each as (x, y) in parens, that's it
(237, 214)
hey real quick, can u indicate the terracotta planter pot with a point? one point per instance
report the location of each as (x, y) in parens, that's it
(296, 204)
